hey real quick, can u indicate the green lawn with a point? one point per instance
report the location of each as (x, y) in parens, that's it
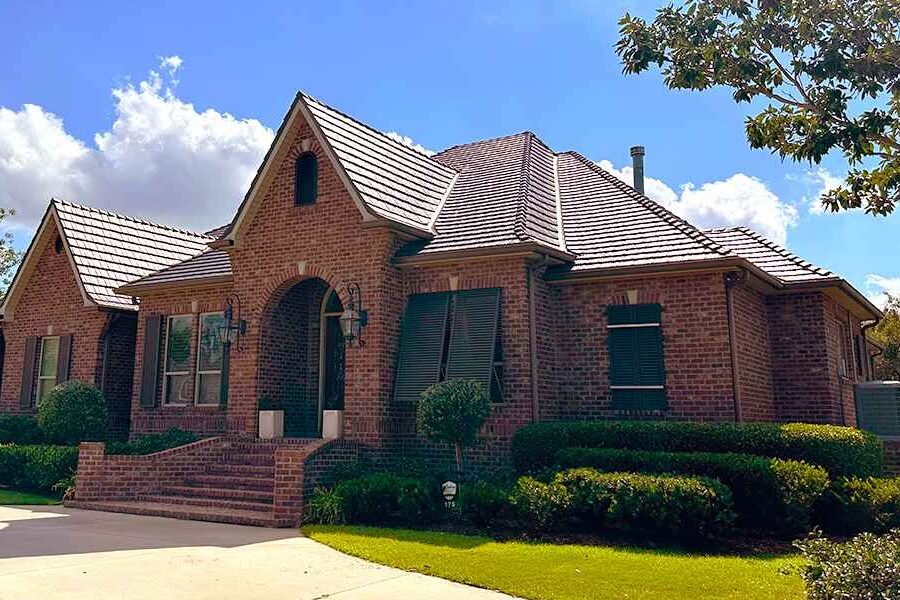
(15, 497)
(564, 572)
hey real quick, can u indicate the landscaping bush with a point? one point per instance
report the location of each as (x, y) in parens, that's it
(684, 508)
(539, 505)
(381, 498)
(842, 451)
(865, 568)
(155, 442)
(769, 493)
(325, 507)
(485, 504)
(854, 505)
(37, 468)
(19, 429)
(71, 413)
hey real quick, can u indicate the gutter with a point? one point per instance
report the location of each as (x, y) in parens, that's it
(538, 251)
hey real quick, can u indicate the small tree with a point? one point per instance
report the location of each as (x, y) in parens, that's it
(887, 335)
(72, 412)
(453, 411)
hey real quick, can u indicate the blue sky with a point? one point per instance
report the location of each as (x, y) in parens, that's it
(89, 113)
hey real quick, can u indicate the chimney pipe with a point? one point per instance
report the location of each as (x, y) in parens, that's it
(637, 165)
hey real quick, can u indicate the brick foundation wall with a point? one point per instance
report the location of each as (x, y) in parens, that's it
(754, 355)
(891, 457)
(104, 476)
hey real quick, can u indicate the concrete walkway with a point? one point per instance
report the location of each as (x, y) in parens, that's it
(66, 553)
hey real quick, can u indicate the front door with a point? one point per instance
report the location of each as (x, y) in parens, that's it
(331, 356)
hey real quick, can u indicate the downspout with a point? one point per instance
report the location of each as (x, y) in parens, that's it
(733, 279)
(532, 339)
(870, 365)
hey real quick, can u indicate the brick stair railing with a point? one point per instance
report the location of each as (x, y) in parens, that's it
(227, 480)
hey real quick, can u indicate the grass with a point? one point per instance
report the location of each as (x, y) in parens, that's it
(567, 572)
(17, 497)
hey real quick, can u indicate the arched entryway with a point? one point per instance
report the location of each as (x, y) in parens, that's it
(301, 362)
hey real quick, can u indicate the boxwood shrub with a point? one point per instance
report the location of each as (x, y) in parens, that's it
(380, 498)
(683, 508)
(855, 504)
(769, 493)
(842, 451)
(38, 468)
(865, 568)
(19, 429)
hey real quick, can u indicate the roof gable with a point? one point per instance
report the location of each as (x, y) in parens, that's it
(387, 180)
(105, 251)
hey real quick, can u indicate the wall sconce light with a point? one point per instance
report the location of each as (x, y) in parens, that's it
(355, 317)
(233, 328)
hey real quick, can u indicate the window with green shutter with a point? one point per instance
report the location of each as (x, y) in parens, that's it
(637, 375)
(450, 335)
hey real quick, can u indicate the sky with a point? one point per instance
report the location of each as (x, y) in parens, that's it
(164, 110)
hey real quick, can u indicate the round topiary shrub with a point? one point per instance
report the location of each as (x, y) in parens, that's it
(72, 412)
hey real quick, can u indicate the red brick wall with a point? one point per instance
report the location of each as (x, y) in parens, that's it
(118, 373)
(753, 355)
(695, 334)
(841, 329)
(891, 457)
(51, 304)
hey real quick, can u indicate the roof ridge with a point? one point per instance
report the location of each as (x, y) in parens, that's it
(484, 141)
(668, 216)
(520, 226)
(781, 250)
(378, 131)
(110, 213)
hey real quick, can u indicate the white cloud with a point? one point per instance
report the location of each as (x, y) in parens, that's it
(738, 200)
(408, 141)
(879, 287)
(161, 158)
(822, 180)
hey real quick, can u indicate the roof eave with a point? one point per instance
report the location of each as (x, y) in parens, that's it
(525, 249)
(138, 290)
(705, 264)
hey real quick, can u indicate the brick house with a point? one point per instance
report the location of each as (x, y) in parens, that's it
(566, 292)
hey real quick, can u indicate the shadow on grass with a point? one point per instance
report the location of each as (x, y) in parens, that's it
(441, 539)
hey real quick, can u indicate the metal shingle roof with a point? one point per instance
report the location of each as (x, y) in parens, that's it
(768, 256)
(211, 264)
(396, 181)
(110, 250)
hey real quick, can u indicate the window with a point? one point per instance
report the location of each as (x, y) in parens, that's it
(636, 362)
(47, 365)
(845, 360)
(177, 372)
(209, 360)
(450, 335)
(306, 179)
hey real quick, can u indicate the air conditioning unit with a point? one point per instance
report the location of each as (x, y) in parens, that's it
(878, 407)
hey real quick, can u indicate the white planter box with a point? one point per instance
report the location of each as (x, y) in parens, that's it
(332, 424)
(271, 424)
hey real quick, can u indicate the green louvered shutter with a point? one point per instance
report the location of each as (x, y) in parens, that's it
(637, 374)
(421, 345)
(473, 335)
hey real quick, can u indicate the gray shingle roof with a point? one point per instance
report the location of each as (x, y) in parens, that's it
(110, 250)
(210, 265)
(768, 256)
(396, 181)
(505, 194)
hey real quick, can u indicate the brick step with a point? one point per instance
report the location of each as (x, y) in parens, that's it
(190, 513)
(241, 469)
(233, 481)
(221, 493)
(233, 458)
(207, 501)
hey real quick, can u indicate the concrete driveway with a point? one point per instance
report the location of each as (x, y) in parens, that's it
(66, 553)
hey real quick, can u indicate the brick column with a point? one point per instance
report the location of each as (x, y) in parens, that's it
(89, 477)
(288, 499)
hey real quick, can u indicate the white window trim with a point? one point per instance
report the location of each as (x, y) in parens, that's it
(632, 325)
(166, 372)
(41, 363)
(197, 365)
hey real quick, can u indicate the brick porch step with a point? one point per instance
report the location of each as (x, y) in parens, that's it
(232, 457)
(250, 470)
(233, 481)
(220, 493)
(207, 501)
(192, 513)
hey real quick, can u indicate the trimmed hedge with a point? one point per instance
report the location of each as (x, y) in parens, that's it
(842, 451)
(37, 468)
(154, 442)
(854, 505)
(684, 508)
(769, 493)
(381, 498)
(19, 429)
